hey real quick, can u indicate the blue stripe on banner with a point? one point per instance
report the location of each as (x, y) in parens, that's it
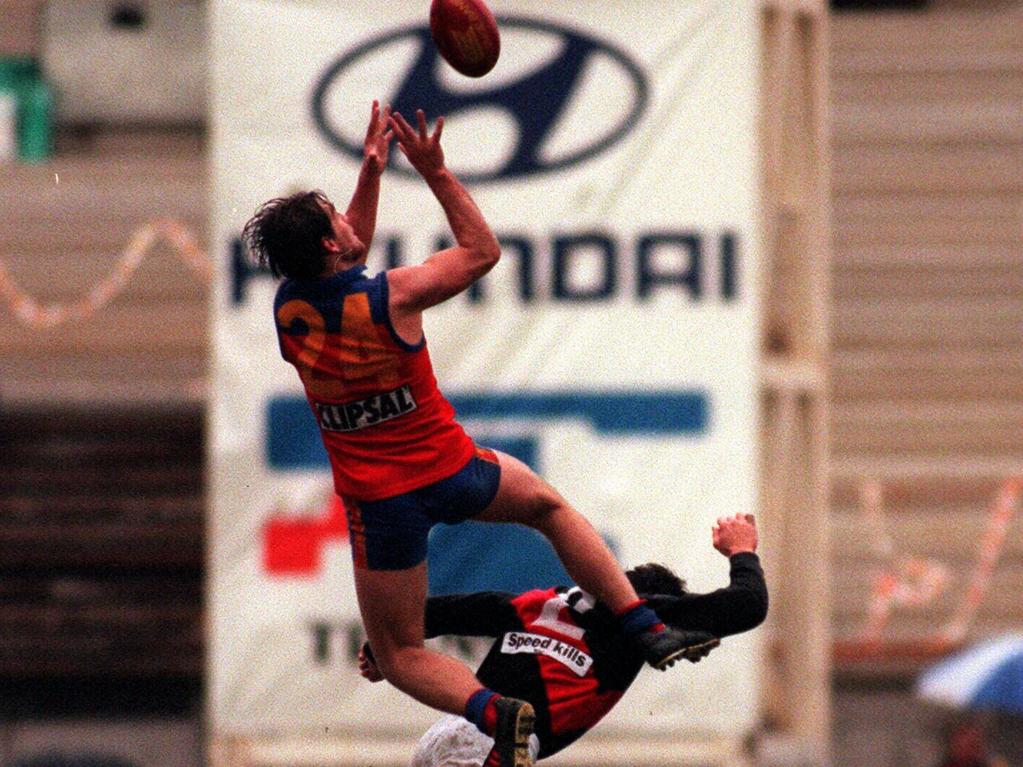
(293, 439)
(526, 449)
(292, 436)
(487, 556)
(607, 412)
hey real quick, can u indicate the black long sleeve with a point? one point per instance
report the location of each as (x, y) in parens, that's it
(484, 613)
(739, 607)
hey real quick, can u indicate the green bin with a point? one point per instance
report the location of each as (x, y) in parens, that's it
(18, 69)
(34, 131)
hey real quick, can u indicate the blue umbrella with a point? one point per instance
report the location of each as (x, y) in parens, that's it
(988, 675)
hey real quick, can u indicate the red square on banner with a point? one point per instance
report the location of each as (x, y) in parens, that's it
(294, 546)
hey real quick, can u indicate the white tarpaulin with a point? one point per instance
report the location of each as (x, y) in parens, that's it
(613, 348)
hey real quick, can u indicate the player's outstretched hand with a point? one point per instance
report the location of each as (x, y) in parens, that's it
(735, 535)
(422, 149)
(377, 145)
(368, 665)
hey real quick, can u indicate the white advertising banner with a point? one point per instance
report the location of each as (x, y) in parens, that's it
(613, 348)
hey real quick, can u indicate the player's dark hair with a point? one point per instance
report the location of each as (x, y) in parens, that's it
(285, 235)
(653, 578)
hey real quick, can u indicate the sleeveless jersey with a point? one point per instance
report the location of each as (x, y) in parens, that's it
(385, 424)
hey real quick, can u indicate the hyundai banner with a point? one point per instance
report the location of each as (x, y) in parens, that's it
(613, 348)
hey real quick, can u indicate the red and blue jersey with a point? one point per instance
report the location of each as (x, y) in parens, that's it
(386, 426)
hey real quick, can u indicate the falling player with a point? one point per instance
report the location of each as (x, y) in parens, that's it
(561, 651)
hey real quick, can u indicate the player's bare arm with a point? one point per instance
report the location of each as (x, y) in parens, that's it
(447, 272)
(362, 210)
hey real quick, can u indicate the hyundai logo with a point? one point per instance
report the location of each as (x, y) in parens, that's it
(584, 83)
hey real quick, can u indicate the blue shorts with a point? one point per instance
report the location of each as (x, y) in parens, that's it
(391, 534)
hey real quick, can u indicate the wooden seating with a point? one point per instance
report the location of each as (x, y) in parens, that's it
(111, 625)
(927, 327)
(101, 542)
(76, 216)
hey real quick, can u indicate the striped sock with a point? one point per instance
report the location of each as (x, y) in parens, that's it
(481, 711)
(636, 618)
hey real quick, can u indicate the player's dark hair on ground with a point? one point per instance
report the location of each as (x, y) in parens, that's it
(285, 235)
(653, 578)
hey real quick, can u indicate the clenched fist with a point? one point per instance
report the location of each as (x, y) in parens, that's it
(735, 535)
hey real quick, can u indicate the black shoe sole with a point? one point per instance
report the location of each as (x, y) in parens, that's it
(521, 729)
(693, 654)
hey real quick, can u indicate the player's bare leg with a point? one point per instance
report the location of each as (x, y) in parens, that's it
(391, 603)
(524, 497)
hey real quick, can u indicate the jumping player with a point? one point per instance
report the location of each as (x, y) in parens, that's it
(561, 651)
(401, 462)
